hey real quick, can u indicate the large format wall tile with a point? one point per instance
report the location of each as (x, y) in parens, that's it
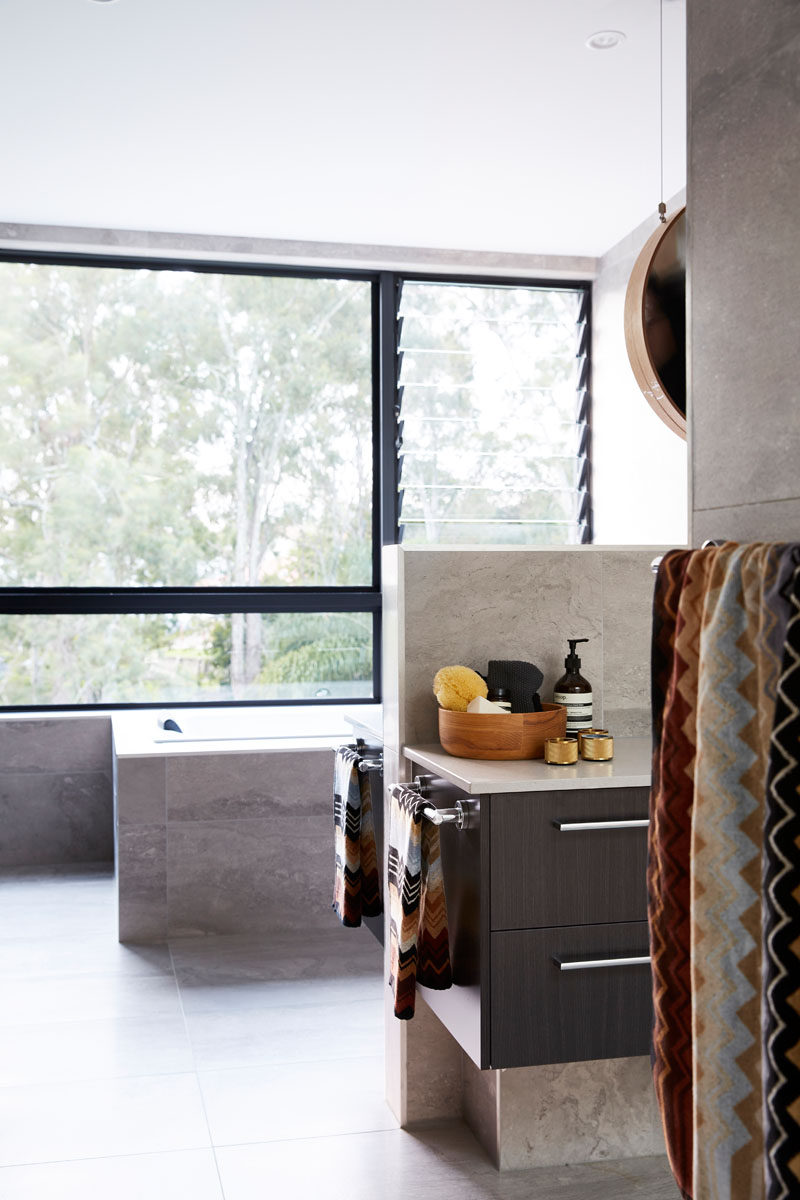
(56, 744)
(744, 166)
(393, 647)
(465, 606)
(140, 790)
(227, 787)
(772, 520)
(721, 52)
(433, 1068)
(55, 818)
(481, 1109)
(142, 882)
(628, 583)
(577, 1112)
(269, 874)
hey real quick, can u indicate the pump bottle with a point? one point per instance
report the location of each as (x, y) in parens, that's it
(574, 692)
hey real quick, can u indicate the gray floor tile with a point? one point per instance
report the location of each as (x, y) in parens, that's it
(87, 997)
(388, 1164)
(339, 953)
(300, 1100)
(279, 993)
(48, 1123)
(301, 1033)
(104, 1049)
(186, 1173)
(399, 1164)
(80, 954)
(50, 901)
(305, 1117)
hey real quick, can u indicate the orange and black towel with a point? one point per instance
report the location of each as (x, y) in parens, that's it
(419, 943)
(356, 887)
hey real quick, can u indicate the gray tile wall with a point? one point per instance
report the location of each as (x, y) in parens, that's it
(744, 254)
(466, 606)
(235, 843)
(55, 791)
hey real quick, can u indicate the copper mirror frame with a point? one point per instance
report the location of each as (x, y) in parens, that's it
(655, 322)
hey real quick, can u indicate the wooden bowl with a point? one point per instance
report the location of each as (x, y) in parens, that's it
(490, 735)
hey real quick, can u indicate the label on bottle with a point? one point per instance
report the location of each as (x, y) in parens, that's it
(579, 709)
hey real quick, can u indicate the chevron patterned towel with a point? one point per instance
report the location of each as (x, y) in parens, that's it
(782, 915)
(724, 868)
(673, 679)
(356, 886)
(419, 944)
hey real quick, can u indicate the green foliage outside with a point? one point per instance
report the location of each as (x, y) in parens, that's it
(490, 414)
(178, 428)
(183, 428)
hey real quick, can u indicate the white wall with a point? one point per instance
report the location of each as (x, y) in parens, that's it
(639, 466)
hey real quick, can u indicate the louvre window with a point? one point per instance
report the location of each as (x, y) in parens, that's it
(493, 414)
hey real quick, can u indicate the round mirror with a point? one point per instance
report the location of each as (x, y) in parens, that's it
(655, 321)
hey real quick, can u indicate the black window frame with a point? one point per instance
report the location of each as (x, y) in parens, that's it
(384, 286)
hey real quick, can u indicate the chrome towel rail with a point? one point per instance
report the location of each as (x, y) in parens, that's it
(461, 816)
(375, 763)
(370, 764)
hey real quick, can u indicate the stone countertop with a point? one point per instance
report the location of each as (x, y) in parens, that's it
(630, 767)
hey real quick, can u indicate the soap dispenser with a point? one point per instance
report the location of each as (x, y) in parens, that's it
(574, 692)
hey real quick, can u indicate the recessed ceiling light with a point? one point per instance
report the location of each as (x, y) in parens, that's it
(605, 39)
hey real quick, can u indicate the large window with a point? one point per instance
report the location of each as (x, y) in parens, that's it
(197, 464)
(205, 436)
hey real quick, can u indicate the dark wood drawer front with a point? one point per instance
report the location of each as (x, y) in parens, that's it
(543, 875)
(543, 1014)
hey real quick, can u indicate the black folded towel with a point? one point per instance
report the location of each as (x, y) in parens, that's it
(522, 679)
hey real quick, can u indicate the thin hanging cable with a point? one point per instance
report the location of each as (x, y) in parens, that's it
(662, 208)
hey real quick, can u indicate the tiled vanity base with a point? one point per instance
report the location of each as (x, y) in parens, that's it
(563, 1113)
(229, 843)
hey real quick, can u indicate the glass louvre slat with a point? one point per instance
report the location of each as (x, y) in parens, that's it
(491, 428)
(475, 533)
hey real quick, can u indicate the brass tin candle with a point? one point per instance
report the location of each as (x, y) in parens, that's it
(597, 747)
(561, 751)
(583, 732)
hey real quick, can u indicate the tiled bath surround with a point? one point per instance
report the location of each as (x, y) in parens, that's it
(227, 843)
(55, 790)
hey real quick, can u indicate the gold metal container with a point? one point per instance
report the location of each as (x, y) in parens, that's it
(583, 732)
(597, 747)
(562, 750)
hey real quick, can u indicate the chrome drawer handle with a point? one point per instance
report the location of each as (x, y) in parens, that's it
(587, 964)
(578, 826)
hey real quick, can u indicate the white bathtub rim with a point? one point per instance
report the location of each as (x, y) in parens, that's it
(135, 730)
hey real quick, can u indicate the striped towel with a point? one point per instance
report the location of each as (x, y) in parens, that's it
(724, 871)
(356, 887)
(419, 944)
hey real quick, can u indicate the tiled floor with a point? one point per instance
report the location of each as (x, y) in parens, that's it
(217, 1069)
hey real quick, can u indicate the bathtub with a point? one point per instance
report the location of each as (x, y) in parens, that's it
(226, 730)
(227, 826)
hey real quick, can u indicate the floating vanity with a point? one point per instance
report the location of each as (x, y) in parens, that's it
(547, 906)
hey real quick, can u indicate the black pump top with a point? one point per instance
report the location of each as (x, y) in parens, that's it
(572, 662)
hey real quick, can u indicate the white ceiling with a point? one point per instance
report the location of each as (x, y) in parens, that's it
(469, 124)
